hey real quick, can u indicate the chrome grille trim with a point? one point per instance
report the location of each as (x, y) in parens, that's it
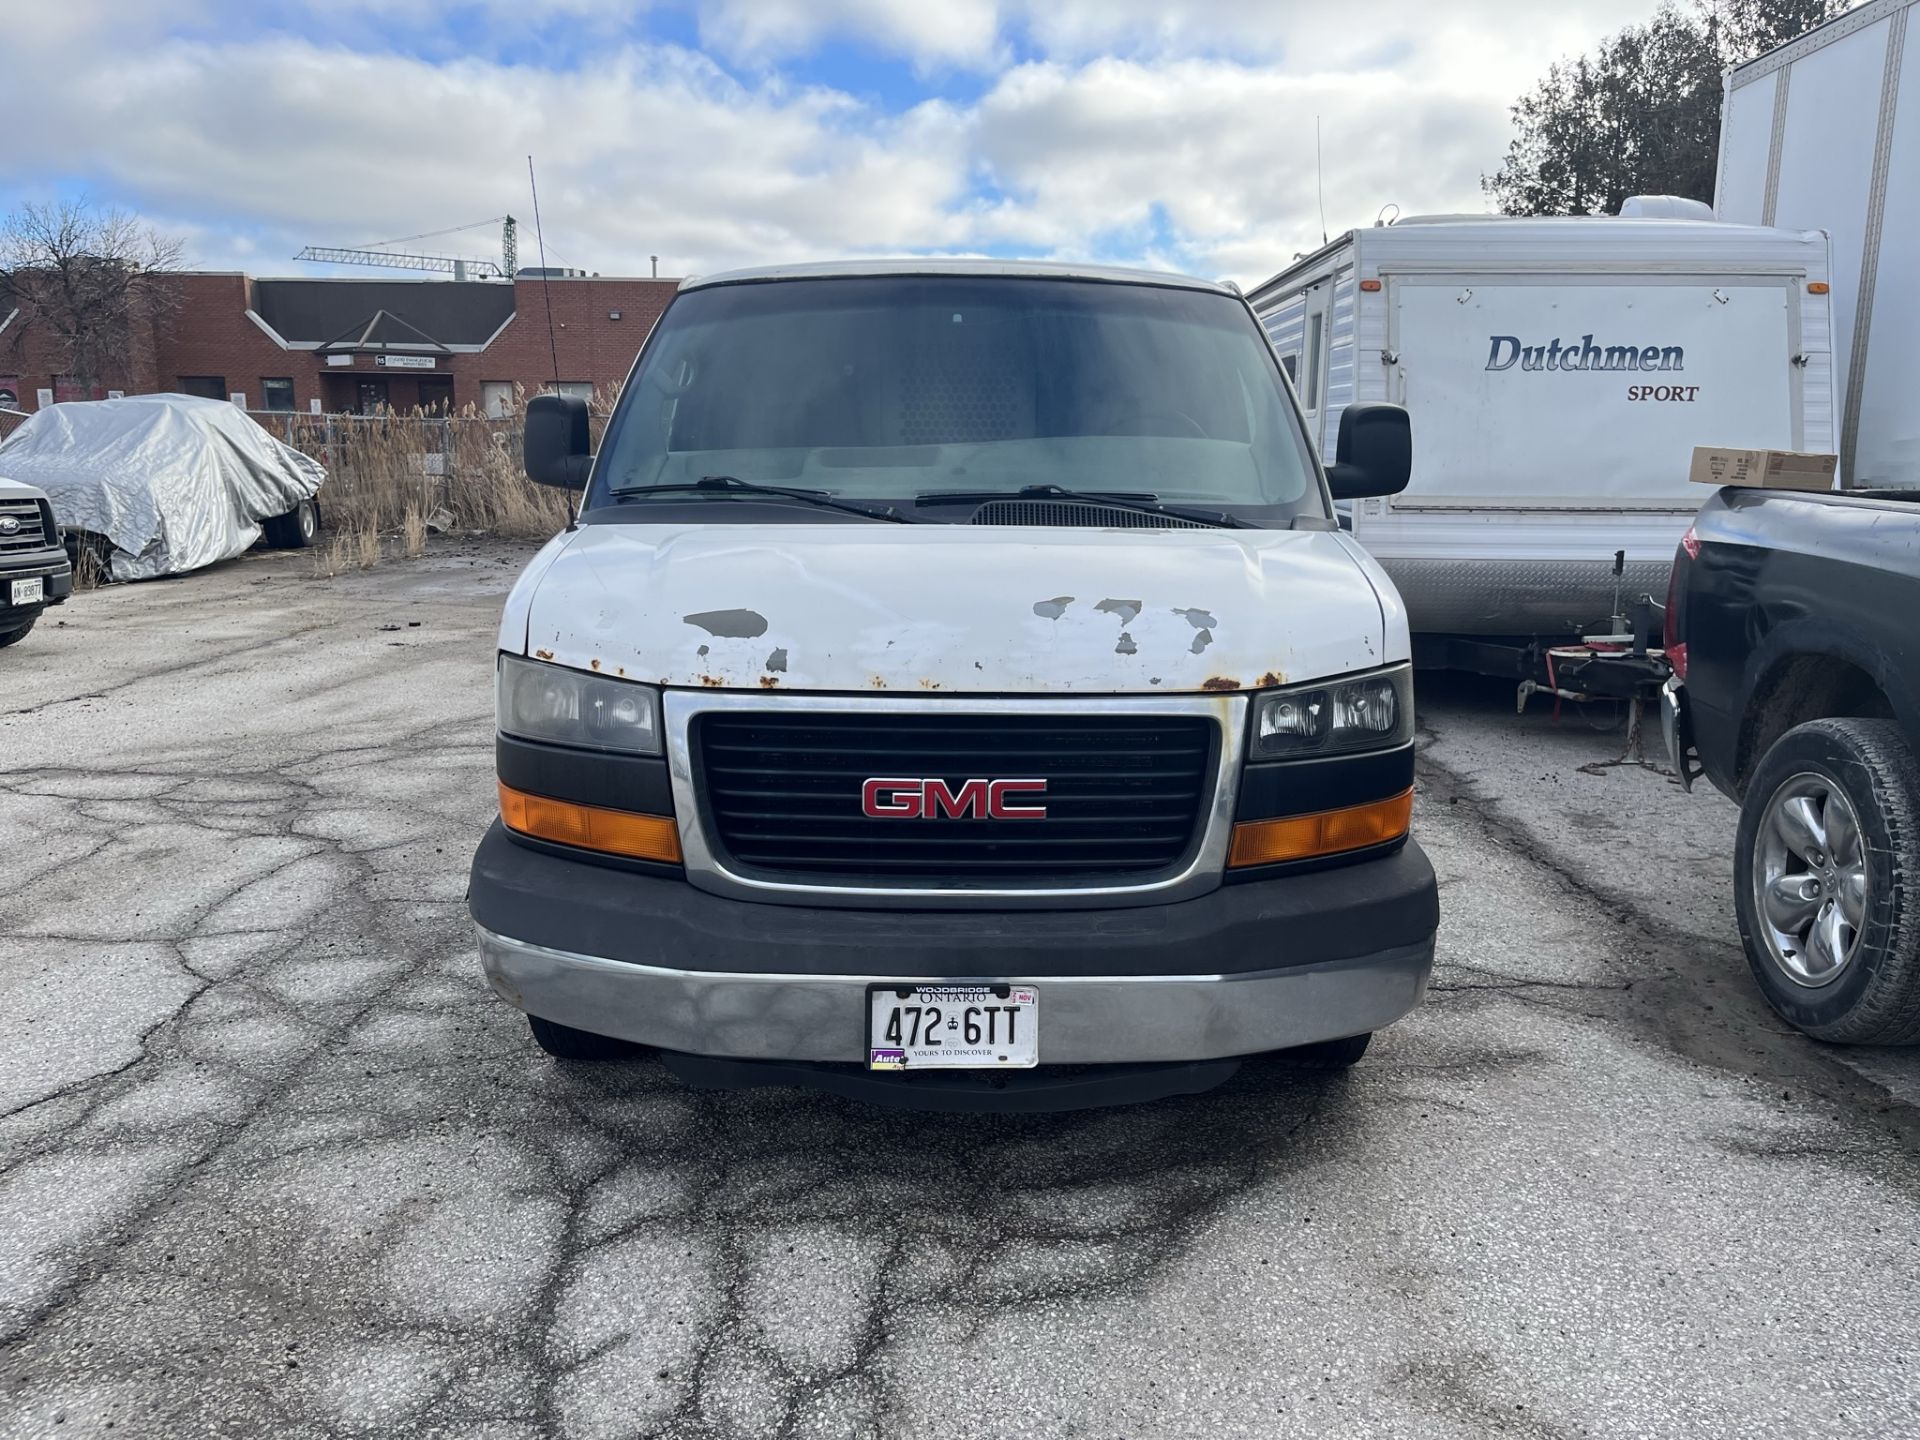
(36, 530)
(707, 869)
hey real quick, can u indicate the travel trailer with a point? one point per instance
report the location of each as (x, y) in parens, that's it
(1559, 373)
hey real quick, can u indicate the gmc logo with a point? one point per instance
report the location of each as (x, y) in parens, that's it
(892, 798)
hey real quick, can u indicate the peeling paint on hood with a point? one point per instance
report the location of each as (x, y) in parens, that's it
(958, 609)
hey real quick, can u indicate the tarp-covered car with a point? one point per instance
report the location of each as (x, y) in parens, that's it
(171, 482)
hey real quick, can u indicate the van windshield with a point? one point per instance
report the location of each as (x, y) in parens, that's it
(912, 388)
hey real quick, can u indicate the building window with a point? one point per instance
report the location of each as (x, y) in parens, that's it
(9, 392)
(1291, 364)
(578, 389)
(372, 397)
(498, 398)
(207, 387)
(276, 393)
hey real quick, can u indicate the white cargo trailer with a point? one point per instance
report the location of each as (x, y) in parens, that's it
(1559, 373)
(1815, 134)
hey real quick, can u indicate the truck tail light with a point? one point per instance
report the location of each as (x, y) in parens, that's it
(589, 827)
(1671, 631)
(1304, 837)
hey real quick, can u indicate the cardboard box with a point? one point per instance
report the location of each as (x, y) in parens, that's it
(1763, 469)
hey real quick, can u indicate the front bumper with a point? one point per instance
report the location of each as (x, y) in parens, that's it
(50, 566)
(1247, 968)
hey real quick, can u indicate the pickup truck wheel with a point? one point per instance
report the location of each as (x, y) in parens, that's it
(563, 1042)
(1827, 881)
(18, 632)
(294, 530)
(1328, 1054)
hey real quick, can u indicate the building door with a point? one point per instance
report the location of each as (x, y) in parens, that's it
(207, 387)
(372, 397)
(436, 394)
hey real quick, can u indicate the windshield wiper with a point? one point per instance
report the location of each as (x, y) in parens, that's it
(731, 485)
(1144, 502)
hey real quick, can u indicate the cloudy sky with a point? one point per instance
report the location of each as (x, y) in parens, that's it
(1167, 132)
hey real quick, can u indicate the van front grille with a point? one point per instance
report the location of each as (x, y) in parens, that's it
(1125, 796)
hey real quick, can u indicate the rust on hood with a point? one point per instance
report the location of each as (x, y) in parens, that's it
(1219, 682)
(543, 654)
(1273, 677)
(594, 664)
(768, 682)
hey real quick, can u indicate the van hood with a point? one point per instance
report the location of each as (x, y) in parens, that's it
(955, 609)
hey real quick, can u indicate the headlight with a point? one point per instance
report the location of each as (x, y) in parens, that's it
(1369, 712)
(570, 707)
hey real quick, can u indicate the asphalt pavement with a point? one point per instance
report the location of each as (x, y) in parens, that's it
(273, 1161)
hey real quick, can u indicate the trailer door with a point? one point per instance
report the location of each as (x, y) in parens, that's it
(1589, 392)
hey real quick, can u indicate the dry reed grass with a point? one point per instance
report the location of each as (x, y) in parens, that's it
(396, 474)
(413, 531)
(89, 556)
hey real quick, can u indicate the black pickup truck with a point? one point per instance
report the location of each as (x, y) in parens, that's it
(1793, 628)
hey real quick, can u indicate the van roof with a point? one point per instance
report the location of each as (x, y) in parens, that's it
(1043, 269)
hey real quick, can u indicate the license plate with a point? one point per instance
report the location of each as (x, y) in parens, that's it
(953, 1027)
(29, 592)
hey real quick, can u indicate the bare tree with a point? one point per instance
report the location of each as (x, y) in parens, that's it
(86, 281)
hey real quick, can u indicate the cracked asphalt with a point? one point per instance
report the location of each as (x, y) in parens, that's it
(274, 1162)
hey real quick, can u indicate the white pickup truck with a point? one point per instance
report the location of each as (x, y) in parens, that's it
(34, 569)
(958, 691)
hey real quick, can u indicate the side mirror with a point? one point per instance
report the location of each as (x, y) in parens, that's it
(1374, 454)
(557, 443)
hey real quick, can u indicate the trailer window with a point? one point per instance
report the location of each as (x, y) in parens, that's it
(1316, 325)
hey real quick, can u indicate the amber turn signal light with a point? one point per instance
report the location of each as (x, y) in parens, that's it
(1818, 287)
(589, 827)
(1304, 837)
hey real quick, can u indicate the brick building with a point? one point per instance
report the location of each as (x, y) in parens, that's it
(356, 346)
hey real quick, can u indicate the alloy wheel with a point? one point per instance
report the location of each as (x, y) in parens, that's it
(1810, 880)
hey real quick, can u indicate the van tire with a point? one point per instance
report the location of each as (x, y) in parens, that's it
(563, 1042)
(296, 529)
(1874, 998)
(18, 632)
(1328, 1054)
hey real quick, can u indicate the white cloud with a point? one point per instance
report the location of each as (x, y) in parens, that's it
(1225, 152)
(1179, 133)
(644, 151)
(943, 32)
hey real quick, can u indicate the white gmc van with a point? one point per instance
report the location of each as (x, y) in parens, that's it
(957, 691)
